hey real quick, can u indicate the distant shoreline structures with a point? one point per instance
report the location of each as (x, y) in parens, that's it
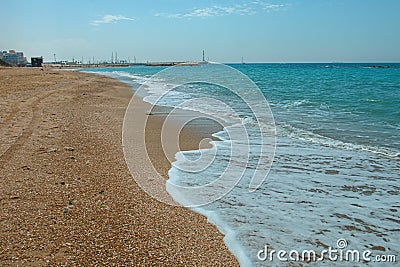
(13, 58)
(110, 65)
(17, 59)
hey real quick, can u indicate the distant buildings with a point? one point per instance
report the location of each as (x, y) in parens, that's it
(13, 58)
(37, 61)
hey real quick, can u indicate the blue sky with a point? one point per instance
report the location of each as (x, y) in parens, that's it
(163, 30)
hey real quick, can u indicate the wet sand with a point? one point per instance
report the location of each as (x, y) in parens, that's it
(66, 194)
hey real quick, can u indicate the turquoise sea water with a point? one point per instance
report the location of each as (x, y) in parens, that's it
(336, 169)
(352, 103)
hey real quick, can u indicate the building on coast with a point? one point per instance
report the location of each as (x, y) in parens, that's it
(37, 61)
(13, 58)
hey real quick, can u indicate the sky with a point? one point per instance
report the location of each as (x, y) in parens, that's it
(178, 30)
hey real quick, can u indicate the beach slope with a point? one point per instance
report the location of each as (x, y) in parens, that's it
(66, 195)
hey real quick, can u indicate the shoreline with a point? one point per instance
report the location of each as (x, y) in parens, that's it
(67, 196)
(195, 135)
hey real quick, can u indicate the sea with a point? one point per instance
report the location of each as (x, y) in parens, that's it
(331, 189)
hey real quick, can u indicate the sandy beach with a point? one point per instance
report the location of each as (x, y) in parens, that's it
(67, 197)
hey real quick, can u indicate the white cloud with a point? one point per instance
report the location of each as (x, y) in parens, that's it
(250, 8)
(109, 19)
(268, 7)
(213, 11)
